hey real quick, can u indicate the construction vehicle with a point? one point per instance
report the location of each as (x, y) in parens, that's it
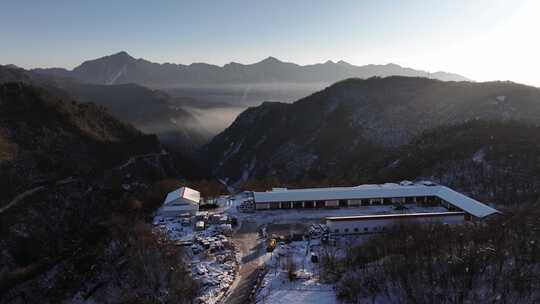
(271, 245)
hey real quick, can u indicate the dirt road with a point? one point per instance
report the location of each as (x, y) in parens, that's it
(251, 250)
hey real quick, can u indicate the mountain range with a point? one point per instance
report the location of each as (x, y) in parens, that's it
(122, 68)
(196, 101)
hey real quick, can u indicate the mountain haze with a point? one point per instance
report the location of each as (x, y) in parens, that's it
(151, 111)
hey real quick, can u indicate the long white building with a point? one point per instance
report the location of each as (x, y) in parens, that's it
(380, 222)
(424, 193)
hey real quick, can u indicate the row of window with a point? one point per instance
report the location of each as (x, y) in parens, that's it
(366, 229)
(427, 199)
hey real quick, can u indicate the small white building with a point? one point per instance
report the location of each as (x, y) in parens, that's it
(380, 222)
(181, 201)
(199, 226)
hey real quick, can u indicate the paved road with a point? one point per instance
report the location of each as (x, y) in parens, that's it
(251, 252)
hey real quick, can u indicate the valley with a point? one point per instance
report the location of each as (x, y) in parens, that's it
(96, 158)
(269, 152)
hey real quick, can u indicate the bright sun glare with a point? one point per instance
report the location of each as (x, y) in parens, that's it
(509, 52)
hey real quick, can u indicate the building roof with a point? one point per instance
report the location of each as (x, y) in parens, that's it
(465, 203)
(457, 199)
(186, 194)
(392, 216)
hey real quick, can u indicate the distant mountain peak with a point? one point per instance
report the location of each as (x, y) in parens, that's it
(344, 63)
(122, 54)
(118, 58)
(12, 66)
(270, 59)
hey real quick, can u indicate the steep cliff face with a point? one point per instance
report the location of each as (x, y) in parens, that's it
(357, 121)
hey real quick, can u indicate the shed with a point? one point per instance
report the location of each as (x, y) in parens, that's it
(180, 201)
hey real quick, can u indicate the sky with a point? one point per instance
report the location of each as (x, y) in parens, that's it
(480, 39)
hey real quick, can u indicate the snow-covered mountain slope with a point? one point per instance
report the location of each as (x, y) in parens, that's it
(350, 130)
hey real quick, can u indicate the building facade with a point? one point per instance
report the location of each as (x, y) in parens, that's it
(380, 222)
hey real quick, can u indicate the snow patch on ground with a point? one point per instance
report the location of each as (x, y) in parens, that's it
(214, 266)
(120, 72)
(395, 163)
(276, 287)
(246, 173)
(232, 150)
(173, 229)
(479, 156)
(501, 98)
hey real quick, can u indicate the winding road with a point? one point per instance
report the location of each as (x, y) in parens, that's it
(251, 249)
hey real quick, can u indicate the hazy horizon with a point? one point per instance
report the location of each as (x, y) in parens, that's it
(482, 40)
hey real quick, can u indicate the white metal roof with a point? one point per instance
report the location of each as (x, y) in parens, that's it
(185, 193)
(464, 202)
(457, 199)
